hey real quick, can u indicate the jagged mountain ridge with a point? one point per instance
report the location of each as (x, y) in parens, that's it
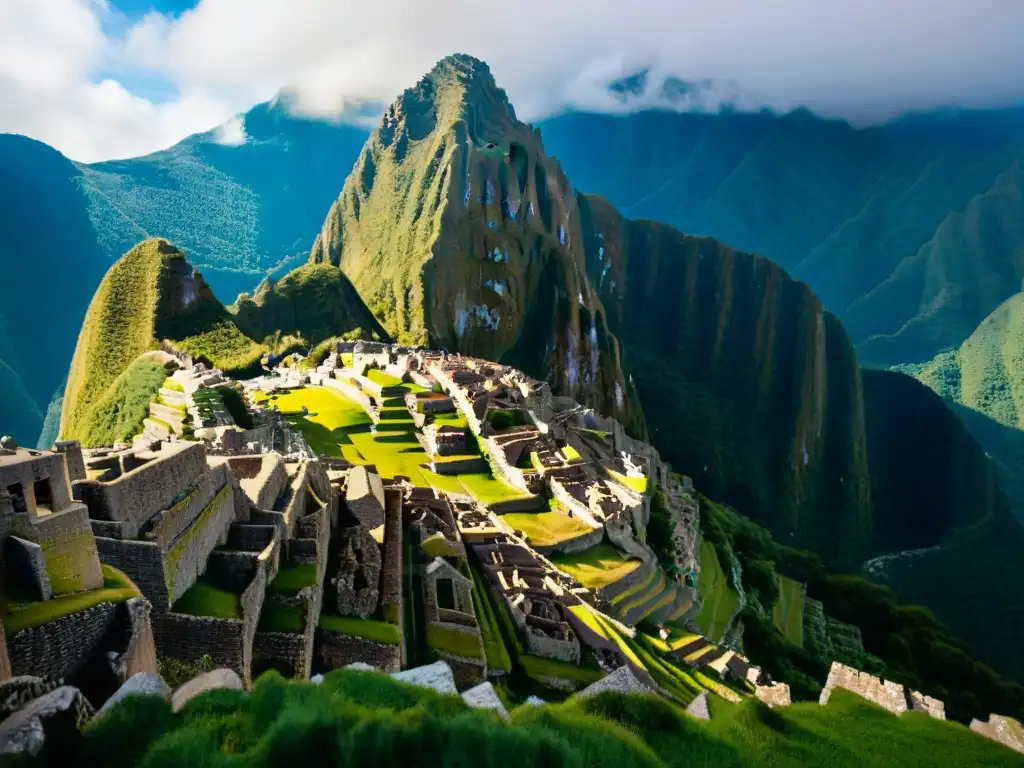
(456, 228)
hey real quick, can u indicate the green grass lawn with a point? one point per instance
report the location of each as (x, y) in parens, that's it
(788, 611)
(494, 645)
(539, 667)
(384, 379)
(545, 529)
(280, 617)
(596, 567)
(454, 419)
(369, 629)
(442, 638)
(204, 599)
(339, 427)
(117, 588)
(292, 578)
(720, 600)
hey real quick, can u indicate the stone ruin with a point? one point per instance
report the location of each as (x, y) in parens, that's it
(890, 696)
(1005, 730)
(357, 582)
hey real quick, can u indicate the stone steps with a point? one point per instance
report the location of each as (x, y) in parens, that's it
(675, 610)
(635, 609)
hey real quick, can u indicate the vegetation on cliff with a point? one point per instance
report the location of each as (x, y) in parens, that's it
(903, 642)
(910, 232)
(151, 294)
(365, 718)
(456, 228)
(314, 302)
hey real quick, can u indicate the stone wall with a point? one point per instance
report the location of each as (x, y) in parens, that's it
(68, 547)
(886, 694)
(261, 477)
(233, 571)
(72, 450)
(140, 655)
(169, 525)
(186, 558)
(136, 496)
(60, 648)
(467, 672)
(364, 497)
(5, 659)
(335, 650)
(27, 566)
(1005, 730)
(469, 465)
(286, 647)
(929, 705)
(144, 564)
(187, 638)
(251, 537)
(391, 590)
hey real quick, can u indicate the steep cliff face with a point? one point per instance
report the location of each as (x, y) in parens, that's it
(746, 381)
(456, 228)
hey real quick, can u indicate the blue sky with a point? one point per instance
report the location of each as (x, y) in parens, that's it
(105, 79)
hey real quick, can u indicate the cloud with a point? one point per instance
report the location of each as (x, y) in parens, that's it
(231, 133)
(865, 60)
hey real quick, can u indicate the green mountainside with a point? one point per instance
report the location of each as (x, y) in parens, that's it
(239, 210)
(909, 232)
(50, 261)
(457, 229)
(313, 302)
(749, 384)
(151, 294)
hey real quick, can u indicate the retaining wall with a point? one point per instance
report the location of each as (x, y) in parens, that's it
(60, 648)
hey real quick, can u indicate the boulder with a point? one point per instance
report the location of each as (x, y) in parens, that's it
(699, 707)
(484, 696)
(774, 695)
(54, 719)
(139, 684)
(361, 666)
(217, 678)
(438, 676)
(16, 692)
(622, 680)
(1005, 730)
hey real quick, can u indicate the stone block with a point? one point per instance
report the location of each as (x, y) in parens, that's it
(1005, 730)
(27, 566)
(776, 695)
(438, 676)
(929, 705)
(621, 680)
(18, 691)
(484, 696)
(141, 684)
(699, 707)
(55, 718)
(885, 693)
(217, 678)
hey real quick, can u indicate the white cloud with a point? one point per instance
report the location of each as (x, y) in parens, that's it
(865, 60)
(231, 133)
